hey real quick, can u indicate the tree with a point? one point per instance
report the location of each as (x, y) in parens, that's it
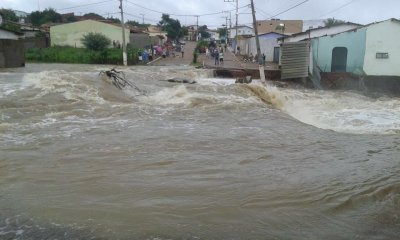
(171, 26)
(38, 18)
(332, 22)
(114, 20)
(95, 41)
(94, 16)
(203, 32)
(222, 32)
(8, 15)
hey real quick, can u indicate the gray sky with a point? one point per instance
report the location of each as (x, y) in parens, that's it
(358, 11)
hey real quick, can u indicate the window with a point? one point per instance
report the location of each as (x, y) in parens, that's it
(382, 55)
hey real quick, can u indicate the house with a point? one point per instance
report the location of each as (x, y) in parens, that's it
(296, 48)
(155, 32)
(214, 35)
(268, 43)
(370, 50)
(70, 34)
(287, 27)
(242, 30)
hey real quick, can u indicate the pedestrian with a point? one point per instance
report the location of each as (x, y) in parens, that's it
(207, 52)
(182, 50)
(263, 57)
(216, 57)
(221, 57)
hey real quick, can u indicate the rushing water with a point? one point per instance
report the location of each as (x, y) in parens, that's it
(80, 159)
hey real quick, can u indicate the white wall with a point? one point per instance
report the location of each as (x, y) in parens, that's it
(383, 37)
(267, 46)
(241, 31)
(321, 32)
(7, 35)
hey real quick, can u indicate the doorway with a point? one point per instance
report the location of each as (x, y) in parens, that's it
(276, 55)
(339, 59)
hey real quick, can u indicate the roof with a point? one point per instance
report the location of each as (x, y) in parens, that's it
(11, 31)
(326, 27)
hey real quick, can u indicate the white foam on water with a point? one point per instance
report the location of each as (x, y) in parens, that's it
(344, 112)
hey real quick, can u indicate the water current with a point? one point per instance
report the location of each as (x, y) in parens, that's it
(80, 159)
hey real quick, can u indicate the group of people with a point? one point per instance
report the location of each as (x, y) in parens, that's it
(166, 50)
(217, 53)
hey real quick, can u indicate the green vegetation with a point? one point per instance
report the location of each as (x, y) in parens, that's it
(80, 55)
(95, 41)
(134, 23)
(332, 22)
(203, 32)
(38, 18)
(9, 18)
(172, 27)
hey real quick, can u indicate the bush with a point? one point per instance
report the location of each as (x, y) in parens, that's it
(95, 41)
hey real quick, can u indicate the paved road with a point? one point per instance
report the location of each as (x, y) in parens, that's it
(230, 60)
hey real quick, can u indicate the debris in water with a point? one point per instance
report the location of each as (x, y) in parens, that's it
(118, 79)
(180, 80)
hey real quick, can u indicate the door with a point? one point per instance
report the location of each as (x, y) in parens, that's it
(339, 59)
(276, 55)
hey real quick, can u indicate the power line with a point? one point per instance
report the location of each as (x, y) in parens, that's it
(184, 15)
(287, 10)
(337, 9)
(84, 5)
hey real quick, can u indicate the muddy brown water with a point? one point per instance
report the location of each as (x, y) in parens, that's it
(80, 159)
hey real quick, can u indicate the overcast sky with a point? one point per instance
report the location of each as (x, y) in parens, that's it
(358, 11)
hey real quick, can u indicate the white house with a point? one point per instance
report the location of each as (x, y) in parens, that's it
(268, 43)
(242, 30)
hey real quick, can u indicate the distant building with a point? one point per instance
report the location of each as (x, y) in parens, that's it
(242, 30)
(214, 35)
(289, 26)
(70, 34)
(156, 31)
(269, 46)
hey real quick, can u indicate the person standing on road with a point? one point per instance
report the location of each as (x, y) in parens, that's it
(182, 50)
(216, 56)
(221, 57)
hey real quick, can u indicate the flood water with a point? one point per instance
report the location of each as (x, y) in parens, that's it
(80, 159)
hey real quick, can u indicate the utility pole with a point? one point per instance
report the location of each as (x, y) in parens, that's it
(124, 54)
(260, 59)
(142, 18)
(226, 31)
(236, 26)
(197, 28)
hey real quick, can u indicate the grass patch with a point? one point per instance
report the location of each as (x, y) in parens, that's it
(80, 55)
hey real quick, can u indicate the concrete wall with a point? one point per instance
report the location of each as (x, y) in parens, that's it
(383, 38)
(8, 35)
(12, 53)
(354, 41)
(40, 42)
(70, 34)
